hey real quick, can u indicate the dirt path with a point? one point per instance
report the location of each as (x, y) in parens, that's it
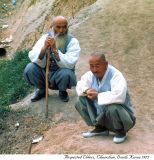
(136, 63)
(66, 136)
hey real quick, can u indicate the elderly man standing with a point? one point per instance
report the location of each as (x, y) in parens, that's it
(64, 53)
(104, 101)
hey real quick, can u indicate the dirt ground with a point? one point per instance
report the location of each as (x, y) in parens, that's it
(66, 136)
(63, 129)
(137, 65)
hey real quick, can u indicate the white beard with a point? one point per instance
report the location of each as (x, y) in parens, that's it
(60, 41)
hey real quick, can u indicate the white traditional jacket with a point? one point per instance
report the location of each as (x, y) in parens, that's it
(111, 90)
(67, 60)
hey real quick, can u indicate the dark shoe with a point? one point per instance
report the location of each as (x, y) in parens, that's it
(98, 131)
(38, 95)
(64, 96)
(119, 137)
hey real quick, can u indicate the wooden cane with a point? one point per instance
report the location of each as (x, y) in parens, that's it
(30, 148)
(46, 82)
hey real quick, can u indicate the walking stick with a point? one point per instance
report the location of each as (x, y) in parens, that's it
(47, 75)
(46, 82)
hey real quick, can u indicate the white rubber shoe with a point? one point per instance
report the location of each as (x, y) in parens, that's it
(119, 139)
(92, 134)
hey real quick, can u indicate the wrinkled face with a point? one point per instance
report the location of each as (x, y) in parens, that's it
(60, 27)
(98, 66)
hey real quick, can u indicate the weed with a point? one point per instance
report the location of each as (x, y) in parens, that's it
(12, 85)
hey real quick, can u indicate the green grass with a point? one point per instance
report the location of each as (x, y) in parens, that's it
(12, 85)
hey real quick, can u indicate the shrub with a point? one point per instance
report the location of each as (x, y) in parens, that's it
(12, 85)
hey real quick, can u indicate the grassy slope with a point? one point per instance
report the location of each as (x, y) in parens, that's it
(12, 85)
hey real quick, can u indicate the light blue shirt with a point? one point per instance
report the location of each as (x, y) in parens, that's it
(112, 89)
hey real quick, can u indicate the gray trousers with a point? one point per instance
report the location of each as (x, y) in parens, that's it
(60, 79)
(114, 116)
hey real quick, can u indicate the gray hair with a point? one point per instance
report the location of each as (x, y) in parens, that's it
(99, 54)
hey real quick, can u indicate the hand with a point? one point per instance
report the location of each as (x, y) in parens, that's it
(50, 42)
(92, 94)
